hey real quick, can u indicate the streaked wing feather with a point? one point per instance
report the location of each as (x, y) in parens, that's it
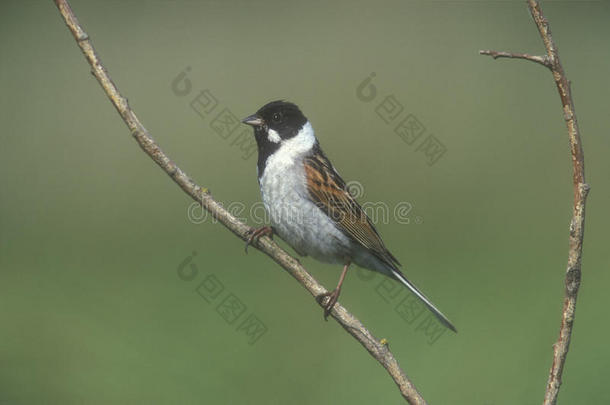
(329, 192)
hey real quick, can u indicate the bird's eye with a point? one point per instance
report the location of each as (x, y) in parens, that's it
(277, 117)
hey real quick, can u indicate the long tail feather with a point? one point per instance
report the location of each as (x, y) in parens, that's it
(442, 318)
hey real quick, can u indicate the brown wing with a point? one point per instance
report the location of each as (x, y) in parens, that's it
(329, 192)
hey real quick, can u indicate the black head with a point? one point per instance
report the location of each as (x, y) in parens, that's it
(274, 123)
(282, 117)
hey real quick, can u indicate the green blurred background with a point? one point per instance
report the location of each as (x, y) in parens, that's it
(92, 232)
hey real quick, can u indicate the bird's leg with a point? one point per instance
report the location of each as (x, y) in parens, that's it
(333, 295)
(256, 233)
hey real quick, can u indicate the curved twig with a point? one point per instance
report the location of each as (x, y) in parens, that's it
(581, 189)
(350, 323)
(543, 60)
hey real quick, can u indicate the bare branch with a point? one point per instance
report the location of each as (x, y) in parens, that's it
(543, 60)
(581, 190)
(577, 225)
(350, 323)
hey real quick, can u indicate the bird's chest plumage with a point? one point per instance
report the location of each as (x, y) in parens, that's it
(294, 217)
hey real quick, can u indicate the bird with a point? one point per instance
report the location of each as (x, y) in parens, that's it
(309, 205)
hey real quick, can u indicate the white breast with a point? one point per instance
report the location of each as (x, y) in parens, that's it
(296, 219)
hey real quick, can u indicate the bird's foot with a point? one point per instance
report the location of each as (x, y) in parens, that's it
(333, 296)
(255, 233)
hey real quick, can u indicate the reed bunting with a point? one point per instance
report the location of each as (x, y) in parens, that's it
(309, 205)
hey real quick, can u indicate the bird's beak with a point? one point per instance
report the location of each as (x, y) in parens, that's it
(253, 120)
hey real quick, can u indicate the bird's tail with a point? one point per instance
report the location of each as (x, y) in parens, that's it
(442, 318)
